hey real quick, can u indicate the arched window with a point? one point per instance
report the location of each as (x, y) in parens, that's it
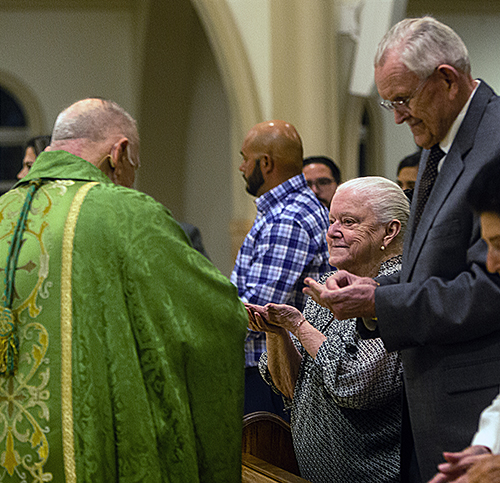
(14, 133)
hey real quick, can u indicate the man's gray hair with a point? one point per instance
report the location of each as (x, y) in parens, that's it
(423, 44)
(95, 122)
(387, 200)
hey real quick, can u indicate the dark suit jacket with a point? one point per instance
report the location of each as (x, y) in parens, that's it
(443, 310)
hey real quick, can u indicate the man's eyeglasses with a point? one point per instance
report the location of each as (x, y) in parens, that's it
(320, 182)
(396, 105)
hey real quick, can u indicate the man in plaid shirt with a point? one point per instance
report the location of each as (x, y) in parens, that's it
(286, 244)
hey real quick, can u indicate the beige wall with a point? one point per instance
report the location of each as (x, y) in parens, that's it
(63, 55)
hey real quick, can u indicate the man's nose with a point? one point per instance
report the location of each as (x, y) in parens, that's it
(400, 116)
(315, 188)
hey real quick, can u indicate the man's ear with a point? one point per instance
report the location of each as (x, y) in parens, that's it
(266, 164)
(449, 75)
(119, 152)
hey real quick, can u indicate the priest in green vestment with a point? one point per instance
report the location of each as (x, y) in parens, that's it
(121, 347)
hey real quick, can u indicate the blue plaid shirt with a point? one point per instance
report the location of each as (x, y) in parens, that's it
(286, 244)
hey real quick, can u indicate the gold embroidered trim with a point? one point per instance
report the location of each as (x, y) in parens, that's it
(66, 331)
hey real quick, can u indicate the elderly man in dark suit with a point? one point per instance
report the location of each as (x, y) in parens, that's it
(441, 310)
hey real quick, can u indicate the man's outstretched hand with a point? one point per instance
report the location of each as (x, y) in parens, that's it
(344, 294)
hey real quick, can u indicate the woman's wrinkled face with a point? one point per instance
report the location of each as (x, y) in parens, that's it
(354, 237)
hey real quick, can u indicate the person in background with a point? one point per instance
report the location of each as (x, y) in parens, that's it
(441, 310)
(322, 176)
(285, 245)
(107, 322)
(484, 198)
(408, 170)
(345, 392)
(34, 147)
(194, 234)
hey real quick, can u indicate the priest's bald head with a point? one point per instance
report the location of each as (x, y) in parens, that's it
(102, 133)
(272, 153)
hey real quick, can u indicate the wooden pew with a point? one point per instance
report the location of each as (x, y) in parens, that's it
(255, 470)
(267, 450)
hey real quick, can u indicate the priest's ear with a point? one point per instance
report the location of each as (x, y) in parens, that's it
(118, 153)
(124, 172)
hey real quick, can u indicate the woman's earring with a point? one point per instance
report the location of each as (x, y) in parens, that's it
(382, 247)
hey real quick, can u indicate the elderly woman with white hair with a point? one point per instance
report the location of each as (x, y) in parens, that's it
(344, 392)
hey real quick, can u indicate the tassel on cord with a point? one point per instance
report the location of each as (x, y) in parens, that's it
(9, 340)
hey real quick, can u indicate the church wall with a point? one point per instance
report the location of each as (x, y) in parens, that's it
(65, 55)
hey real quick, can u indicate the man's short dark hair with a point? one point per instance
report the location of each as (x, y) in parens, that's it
(484, 192)
(327, 162)
(409, 161)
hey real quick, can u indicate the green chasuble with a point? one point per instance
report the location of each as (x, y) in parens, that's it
(131, 343)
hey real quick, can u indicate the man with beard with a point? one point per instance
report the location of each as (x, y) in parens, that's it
(286, 243)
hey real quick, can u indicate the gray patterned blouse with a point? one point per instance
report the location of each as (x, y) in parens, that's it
(346, 409)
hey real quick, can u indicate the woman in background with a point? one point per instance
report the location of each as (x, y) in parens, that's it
(34, 147)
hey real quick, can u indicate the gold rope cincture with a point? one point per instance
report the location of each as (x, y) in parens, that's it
(66, 333)
(9, 340)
